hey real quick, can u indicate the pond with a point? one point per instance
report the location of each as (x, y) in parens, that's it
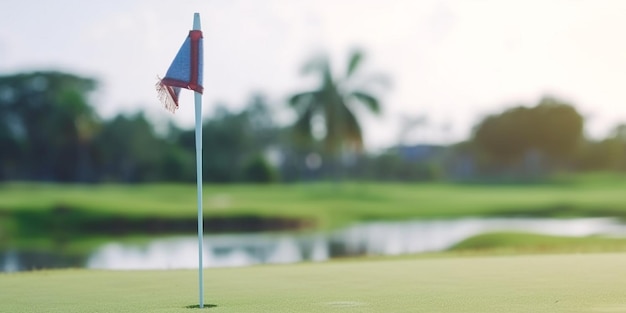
(374, 238)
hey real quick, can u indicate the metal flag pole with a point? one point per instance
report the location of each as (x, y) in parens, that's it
(198, 109)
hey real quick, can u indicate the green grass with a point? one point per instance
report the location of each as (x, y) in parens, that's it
(328, 204)
(498, 272)
(524, 243)
(537, 283)
(29, 212)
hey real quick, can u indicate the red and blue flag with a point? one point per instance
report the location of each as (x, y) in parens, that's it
(185, 72)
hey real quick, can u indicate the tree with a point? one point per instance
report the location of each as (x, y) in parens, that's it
(231, 139)
(606, 154)
(47, 126)
(333, 104)
(128, 150)
(552, 130)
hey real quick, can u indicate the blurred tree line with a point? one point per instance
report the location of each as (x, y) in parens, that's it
(532, 142)
(49, 131)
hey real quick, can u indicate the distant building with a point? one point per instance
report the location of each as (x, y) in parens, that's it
(453, 163)
(421, 153)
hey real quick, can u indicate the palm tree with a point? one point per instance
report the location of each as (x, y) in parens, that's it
(333, 104)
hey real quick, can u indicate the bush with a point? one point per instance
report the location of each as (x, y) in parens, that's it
(258, 170)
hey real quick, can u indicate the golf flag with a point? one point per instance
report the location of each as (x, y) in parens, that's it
(185, 72)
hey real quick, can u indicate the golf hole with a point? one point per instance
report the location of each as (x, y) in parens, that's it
(196, 306)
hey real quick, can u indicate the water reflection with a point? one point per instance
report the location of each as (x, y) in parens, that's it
(219, 251)
(378, 238)
(20, 260)
(10, 262)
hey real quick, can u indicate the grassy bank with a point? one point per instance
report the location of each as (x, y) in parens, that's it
(510, 243)
(75, 218)
(546, 283)
(328, 205)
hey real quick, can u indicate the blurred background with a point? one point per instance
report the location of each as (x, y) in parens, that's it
(326, 120)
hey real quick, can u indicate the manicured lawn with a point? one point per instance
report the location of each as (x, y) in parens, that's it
(539, 283)
(485, 273)
(328, 204)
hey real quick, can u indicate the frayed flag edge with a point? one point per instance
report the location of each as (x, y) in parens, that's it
(164, 94)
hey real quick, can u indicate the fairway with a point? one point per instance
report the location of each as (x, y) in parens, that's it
(539, 283)
(327, 205)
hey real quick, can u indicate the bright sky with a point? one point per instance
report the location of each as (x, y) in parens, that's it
(452, 61)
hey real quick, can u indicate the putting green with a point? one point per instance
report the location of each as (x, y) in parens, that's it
(537, 283)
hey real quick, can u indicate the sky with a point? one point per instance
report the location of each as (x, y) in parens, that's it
(452, 62)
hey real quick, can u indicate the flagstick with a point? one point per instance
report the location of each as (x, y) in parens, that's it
(198, 102)
(198, 109)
